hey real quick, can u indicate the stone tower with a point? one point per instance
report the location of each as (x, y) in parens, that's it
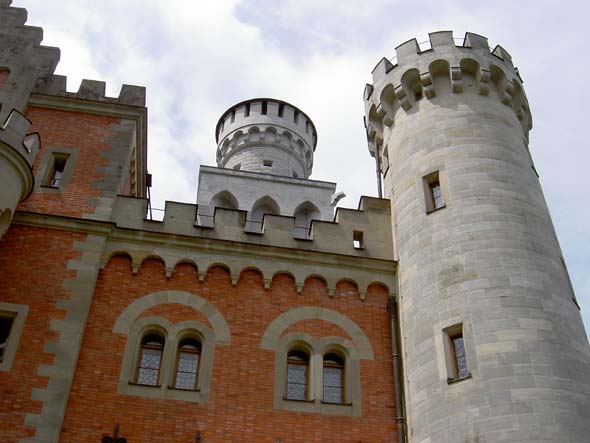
(268, 136)
(265, 156)
(493, 343)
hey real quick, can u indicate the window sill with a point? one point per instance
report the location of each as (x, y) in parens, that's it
(297, 400)
(336, 404)
(132, 383)
(456, 380)
(184, 389)
(435, 209)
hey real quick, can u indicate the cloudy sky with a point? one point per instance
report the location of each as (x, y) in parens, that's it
(199, 57)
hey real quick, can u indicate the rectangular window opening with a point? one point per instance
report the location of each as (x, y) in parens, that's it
(232, 116)
(295, 117)
(6, 322)
(267, 163)
(433, 192)
(56, 170)
(264, 108)
(247, 110)
(457, 366)
(357, 240)
(281, 109)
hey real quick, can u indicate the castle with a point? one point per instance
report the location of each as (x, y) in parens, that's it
(442, 312)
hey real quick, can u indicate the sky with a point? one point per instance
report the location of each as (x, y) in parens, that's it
(198, 57)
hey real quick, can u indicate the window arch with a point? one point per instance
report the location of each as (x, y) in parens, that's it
(297, 375)
(333, 379)
(188, 359)
(149, 362)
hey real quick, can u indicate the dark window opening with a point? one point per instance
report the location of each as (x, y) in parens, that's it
(238, 167)
(267, 163)
(247, 110)
(357, 240)
(281, 109)
(5, 327)
(264, 108)
(295, 116)
(433, 192)
(56, 170)
(232, 116)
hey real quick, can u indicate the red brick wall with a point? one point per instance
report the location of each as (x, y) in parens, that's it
(32, 269)
(87, 133)
(241, 404)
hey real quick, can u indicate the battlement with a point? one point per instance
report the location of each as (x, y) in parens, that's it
(442, 66)
(363, 232)
(266, 135)
(94, 90)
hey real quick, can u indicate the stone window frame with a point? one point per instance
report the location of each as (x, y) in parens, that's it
(136, 328)
(354, 350)
(446, 367)
(49, 153)
(317, 348)
(424, 182)
(18, 313)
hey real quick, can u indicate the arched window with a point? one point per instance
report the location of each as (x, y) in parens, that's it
(297, 375)
(187, 364)
(150, 360)
(333, 379)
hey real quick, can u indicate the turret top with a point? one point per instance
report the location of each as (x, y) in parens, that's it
(268, 136)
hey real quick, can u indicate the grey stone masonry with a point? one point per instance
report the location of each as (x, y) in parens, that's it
(482, 260)
(54, 398)
(266, 135)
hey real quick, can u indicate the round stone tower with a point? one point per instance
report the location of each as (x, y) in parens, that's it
(268, 136)
(493, 344)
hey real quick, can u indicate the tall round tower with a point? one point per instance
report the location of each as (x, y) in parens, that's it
(493, 343)
(266, 135)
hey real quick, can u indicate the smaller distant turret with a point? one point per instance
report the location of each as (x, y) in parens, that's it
(268, 136)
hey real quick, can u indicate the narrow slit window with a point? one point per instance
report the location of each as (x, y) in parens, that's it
(357, 240)
(457, 365)
(247, 110)
(232, 117)
(281, 109)
(296, 117)
(150, 360)
(267, 163)
(459, 357)
(433, 192)
(5, 327)
(56, 170)
(333, 379)
(187, 364)
(297, 375)
(264, 108)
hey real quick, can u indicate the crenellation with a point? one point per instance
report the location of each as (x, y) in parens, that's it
(473, 57)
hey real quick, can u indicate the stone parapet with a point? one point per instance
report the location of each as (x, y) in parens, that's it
(419, 74)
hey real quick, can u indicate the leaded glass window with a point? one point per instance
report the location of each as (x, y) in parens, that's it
(461, 369)
(333, 379)
(187, 364)
(148, 368)
(297, 375)
(437, 195)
